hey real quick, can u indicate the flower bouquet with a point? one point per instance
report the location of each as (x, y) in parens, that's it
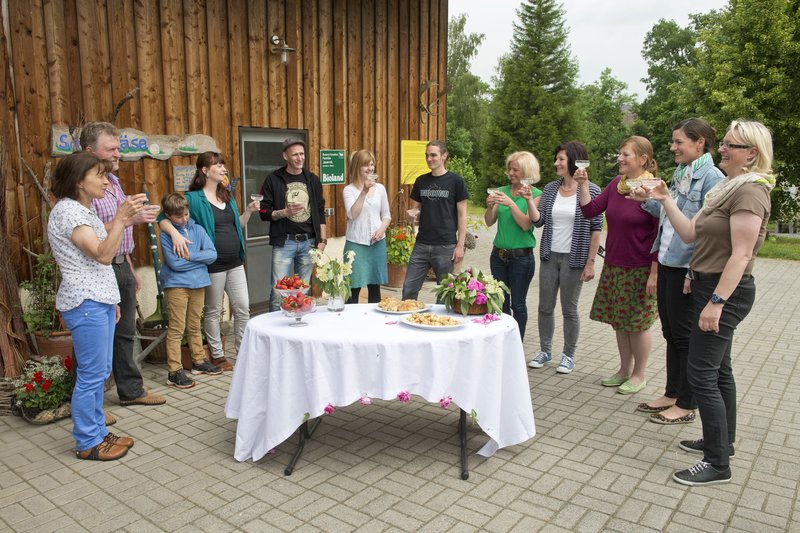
(43, 389)
(333, 275)
(471, 290)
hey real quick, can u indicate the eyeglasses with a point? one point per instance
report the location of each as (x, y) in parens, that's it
(728, 146)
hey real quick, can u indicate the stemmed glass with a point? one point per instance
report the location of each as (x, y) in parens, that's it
(255, 197)
(582, 163)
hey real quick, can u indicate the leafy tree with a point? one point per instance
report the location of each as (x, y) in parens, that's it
(534, 104)
(602, 110)
(749, 66)
(466, 93)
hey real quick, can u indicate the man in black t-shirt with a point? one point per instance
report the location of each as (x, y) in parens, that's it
(294, 206)
(441, 200)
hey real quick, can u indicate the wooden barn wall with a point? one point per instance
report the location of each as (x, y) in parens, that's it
(204, 66)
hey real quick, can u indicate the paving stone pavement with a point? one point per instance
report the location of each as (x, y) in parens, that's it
(595, 464)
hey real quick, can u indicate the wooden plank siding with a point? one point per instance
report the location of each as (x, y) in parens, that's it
(206, 66)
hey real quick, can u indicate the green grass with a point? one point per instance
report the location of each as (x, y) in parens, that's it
(781, 248)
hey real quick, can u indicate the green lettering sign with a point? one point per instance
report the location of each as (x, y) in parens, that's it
(331, 167)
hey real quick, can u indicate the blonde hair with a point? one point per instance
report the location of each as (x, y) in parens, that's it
(528, 164)
(174, 204)
(759, 137)
(359, 159)
(642, 147)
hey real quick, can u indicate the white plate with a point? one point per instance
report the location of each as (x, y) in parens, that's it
(407, 320)
(421, 310)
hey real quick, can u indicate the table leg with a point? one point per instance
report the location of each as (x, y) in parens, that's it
(303, 433)
(462, 434)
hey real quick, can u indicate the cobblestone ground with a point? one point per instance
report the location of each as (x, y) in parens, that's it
(595, 464)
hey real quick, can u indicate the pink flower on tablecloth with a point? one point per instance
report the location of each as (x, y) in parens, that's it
(480, 298)
(487, 319)
(404, 396)
(329, 409)
(445, 402)
(365, 400)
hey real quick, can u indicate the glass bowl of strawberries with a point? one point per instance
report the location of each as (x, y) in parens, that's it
(295, 302)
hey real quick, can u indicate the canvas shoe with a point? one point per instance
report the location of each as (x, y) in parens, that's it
(540, 360)
(566, 365)
(702, 474)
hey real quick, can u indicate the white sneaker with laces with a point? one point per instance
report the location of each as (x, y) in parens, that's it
(566, 365)
(540, 360)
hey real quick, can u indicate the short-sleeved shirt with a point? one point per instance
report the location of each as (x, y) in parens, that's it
(82, 278)
(714, 247)
(509, 234)
(438, 197)
(106, 208)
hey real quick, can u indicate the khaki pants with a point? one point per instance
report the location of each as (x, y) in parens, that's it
(185, 307)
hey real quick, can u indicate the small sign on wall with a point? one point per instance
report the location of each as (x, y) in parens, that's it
(182, 176)
(331, 166)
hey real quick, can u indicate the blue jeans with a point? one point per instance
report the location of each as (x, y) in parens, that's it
(92, 328)
(291, 258)
(436, 256)
(517, 273)
(710, 371)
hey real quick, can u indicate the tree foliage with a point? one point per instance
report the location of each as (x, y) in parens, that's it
(466, 93)
(602, 108)
(534, 103)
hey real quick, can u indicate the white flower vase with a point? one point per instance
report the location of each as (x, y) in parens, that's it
(335, 304)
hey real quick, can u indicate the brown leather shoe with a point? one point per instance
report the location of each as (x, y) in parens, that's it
(110, 420)
(105, 451)
(148, 398)
(119, 440)
(222, 363)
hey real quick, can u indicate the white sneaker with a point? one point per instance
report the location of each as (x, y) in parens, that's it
(540, 360)
(566, 365)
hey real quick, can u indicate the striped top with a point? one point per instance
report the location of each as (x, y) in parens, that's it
(106, 208)
(582, 231)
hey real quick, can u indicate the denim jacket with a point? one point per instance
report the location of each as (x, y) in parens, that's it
(703, 180)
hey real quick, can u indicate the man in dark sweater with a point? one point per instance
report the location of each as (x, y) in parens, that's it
(294, 206)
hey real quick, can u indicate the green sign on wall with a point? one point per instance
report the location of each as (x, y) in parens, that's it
(331, 166)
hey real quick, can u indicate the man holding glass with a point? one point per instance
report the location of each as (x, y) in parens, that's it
(439, 202)
(102, 139)
(295, 207)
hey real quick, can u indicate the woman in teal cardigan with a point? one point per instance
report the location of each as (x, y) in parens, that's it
(212, 206)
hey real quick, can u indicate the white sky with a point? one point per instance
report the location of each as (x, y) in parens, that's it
(602, 33)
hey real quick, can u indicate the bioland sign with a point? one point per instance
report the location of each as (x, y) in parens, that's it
(331, 167)
(134, 144)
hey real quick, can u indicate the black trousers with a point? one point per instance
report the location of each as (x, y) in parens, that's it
(126, 374)
(710, 370)
(675, 312)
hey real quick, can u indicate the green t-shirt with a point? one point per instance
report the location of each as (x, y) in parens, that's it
(509, 234)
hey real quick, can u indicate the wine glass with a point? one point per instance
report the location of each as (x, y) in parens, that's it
(526, 181)
(491, 191)
(373, 178)
(255, 197)
(582, 163)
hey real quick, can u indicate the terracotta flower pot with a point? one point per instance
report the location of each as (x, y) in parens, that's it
(58, 343)
(397, 275)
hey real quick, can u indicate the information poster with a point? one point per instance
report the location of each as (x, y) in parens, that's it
(331, 167)
(182, 176)
(412, 161)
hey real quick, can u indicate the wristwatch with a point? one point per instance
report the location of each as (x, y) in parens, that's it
(716, 299)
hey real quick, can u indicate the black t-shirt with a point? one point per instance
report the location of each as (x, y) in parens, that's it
(438, 197)
(226, 240)
(297, 193)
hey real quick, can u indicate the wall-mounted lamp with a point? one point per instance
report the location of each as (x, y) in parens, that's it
(279, 47)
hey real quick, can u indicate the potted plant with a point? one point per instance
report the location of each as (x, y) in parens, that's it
(472, 293)
(42, 392)
(400, 240)
(40, 314)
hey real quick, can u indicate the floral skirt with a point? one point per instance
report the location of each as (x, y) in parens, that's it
(369, 264)
(622, 301)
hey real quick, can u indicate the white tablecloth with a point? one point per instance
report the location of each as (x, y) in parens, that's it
(284, 372)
